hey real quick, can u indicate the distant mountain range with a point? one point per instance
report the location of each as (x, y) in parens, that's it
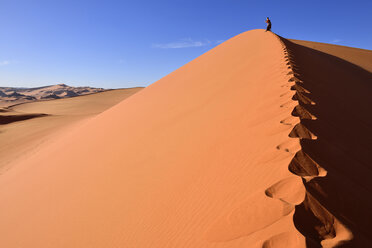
(11, 95)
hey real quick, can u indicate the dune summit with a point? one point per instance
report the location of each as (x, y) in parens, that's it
(259, 142)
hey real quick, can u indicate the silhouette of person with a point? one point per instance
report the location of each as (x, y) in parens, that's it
(268, 28)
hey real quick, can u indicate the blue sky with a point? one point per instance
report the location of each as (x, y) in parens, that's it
(115, 44)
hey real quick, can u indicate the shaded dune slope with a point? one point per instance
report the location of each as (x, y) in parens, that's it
(245, 146)
(6, 119)
(334, 99)
(357, 56)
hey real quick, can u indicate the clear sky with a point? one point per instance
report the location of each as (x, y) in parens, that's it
(114, 44)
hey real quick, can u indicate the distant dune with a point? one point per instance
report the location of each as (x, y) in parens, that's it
(260, 142)
(10, 95)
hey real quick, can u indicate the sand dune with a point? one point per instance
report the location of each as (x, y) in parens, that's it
(260, 142)
(11, 96)
(357, 56)
(337, 207)
(24, 128)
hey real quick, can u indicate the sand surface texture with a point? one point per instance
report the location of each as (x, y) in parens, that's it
(25, 128)
(260, 142)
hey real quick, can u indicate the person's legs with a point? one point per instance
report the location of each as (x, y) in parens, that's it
(268, 28)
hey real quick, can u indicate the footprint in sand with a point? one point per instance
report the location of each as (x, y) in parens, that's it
(302, 113)
(256, 213)
(290, 190)
(294, 79)
(300, 131)
(290, 120)
(302, 165)
(291, 146)
(286, 239)
(289, 104)
(300, 89)
(302, 98)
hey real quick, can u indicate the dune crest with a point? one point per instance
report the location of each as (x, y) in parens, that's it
(323, 86)
(306, 168)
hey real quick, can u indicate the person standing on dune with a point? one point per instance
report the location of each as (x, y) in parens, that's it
(268, 28)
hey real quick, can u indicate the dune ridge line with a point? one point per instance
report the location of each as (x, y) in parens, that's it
(331, 232)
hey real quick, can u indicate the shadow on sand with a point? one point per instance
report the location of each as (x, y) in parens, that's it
(341, 94)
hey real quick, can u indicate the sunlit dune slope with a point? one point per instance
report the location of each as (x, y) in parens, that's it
(26, 127)
(230, 150)
(183, 163)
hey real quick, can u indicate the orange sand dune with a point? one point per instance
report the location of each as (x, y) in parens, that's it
(335, 87)
(10, 96)
(357, 56)
(24, 128)
(230, 150)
